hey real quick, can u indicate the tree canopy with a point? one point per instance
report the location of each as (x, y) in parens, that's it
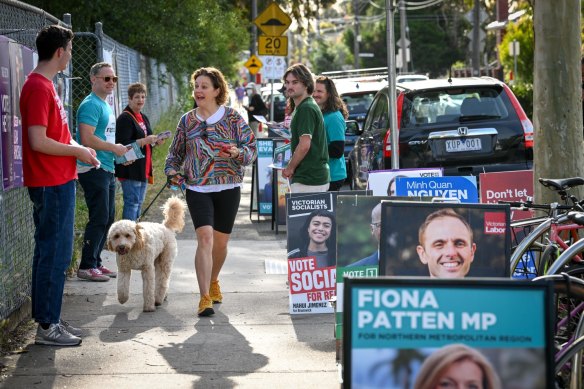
(184, 35)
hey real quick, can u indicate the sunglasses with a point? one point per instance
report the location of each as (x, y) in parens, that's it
(108, 78)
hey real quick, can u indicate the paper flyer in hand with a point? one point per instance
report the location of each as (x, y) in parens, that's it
(164, 135)
(132, 154)
(282, 156)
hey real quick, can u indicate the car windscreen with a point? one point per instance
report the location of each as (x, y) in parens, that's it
(358, 104)
(422, 108)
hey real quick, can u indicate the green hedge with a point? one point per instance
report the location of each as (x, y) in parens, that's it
(524, 93)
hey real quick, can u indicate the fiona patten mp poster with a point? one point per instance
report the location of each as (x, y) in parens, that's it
(418, 333)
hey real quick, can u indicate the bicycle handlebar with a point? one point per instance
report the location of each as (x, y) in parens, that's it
(526, 205)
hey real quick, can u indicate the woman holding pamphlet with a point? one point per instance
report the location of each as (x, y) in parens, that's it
(212, 146)
(133, 130)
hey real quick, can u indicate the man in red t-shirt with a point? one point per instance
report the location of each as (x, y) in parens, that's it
(49, 162)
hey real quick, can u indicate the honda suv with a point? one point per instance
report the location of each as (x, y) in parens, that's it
(466, 126)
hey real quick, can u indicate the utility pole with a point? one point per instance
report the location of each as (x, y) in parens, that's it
(389, 10)
(402, 31)
(476, 57)
(254, 28)
(357, 36)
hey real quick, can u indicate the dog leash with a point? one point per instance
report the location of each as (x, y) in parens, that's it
(173, 184)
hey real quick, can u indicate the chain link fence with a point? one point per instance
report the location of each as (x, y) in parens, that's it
(21, 23)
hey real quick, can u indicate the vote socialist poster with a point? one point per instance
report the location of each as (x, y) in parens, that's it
(311, 238)
(312, 250)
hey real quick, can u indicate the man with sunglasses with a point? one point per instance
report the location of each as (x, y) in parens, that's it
(96, 128)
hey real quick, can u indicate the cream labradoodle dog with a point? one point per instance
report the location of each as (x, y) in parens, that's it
(149, 247)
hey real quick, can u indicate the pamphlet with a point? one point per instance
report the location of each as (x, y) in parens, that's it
(132, 154)
(282, 156)
(278, 128)
(164, 135)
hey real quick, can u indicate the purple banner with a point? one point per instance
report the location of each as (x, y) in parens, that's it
(12, 75)
(5, 111)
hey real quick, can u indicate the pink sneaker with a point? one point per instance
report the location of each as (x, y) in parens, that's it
(92, 275)
(107, 272)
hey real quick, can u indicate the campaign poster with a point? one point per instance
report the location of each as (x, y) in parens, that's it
(312, 249)
(443, 240)
(12, 73)
(265, 176)
(311, 238)
(513, 186)
(412, 333)
(5, 109)
(358, 232)
(383, 182)
(508, 186)
(282, 188)
(459, 188)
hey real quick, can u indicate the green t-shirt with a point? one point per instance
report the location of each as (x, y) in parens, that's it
(307, 119)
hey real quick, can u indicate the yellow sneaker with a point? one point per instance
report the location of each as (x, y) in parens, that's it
(206, 306)
(215, 292)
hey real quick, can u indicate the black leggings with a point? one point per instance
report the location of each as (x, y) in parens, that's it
(215, 209)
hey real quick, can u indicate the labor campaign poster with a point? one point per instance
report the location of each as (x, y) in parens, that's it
(383, 182)
(513, 186)
(508, 186)
(443, 240)
(265, 176)
(457, 188)
(418, 333)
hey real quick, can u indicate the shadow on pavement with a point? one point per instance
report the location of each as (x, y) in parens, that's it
(204, 354)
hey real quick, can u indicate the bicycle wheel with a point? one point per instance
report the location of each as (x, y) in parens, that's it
(569, 304)
(531, 238)
(566, 259)
(528, 259)
(568, 367)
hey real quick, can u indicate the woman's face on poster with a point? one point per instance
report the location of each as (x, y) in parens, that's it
(319, 229)
(464, 374)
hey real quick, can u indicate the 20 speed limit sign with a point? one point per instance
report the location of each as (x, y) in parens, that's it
(273, 45)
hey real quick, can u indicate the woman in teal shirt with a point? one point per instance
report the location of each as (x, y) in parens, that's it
(334, 112)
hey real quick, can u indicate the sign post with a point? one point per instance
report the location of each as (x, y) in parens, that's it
(253, 64)
(273, 22)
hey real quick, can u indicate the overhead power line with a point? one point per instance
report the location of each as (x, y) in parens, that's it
(411, 5)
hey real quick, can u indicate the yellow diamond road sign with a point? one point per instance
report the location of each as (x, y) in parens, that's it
(273, 21)
(253, 64)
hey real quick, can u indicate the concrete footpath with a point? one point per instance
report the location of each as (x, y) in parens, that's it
(251, 342)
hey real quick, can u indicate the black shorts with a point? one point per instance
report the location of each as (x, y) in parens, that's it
(215, 209)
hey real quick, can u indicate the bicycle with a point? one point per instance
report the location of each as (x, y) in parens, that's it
(569, 332)
(539, 239)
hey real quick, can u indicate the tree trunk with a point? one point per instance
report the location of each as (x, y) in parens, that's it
(557, 109)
